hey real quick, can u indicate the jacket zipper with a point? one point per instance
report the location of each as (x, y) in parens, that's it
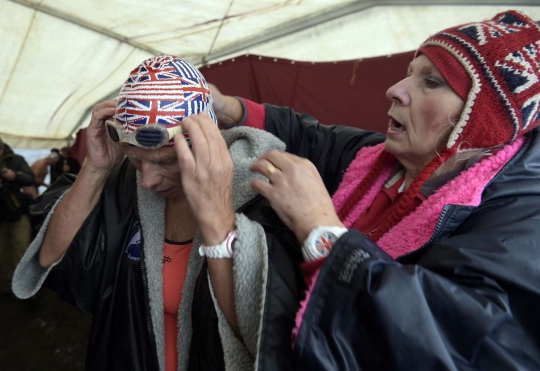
(432, 238)
(445, 208)
(146, 301)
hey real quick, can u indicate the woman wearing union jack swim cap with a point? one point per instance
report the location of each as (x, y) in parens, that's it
(426, 254)
(142, 236)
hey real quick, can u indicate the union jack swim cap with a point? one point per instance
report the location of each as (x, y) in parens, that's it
(162, 90)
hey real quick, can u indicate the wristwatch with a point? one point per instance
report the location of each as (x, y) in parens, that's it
(223, 250)
(320, 241)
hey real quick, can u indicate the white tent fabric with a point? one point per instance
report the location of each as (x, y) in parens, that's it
(382, 30)
(60, 57)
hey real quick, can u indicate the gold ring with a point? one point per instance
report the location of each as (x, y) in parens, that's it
(271, 169)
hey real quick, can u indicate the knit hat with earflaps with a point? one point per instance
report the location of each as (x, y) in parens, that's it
(162, 90)
(494, 66)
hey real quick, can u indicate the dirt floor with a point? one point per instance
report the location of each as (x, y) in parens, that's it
(42, 333)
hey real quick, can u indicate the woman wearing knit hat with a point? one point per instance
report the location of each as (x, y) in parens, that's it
(427, 255)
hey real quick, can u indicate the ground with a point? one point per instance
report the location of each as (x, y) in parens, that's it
(43, 333)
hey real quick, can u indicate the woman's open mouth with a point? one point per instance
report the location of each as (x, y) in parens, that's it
(395, 126)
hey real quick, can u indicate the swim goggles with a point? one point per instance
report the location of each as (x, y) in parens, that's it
(145, 136)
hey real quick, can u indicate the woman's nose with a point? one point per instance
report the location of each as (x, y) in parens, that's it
(398, 93)
(150, 177)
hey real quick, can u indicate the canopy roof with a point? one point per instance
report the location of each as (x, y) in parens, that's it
(60, 57)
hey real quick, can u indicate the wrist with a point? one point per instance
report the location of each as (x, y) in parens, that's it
(95, 172)
(303, 231)
(224, 249)
(92, 180)
(320, 242)
(231, 112)
(214, 232)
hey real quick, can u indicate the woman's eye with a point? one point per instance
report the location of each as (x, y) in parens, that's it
(432, 83)
(170, 163)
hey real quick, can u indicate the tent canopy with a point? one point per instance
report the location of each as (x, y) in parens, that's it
(61, 57)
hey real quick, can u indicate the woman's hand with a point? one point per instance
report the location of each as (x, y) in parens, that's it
(103, 154)
(296, 192)
(207, 173)
(228, 110)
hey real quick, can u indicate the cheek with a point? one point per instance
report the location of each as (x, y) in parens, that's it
(173, 174)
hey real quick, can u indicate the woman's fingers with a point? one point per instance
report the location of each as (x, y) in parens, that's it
(199, 142)
(206, 170)
(103, 111)
(186, 161)
(295, 191)
(266, 168)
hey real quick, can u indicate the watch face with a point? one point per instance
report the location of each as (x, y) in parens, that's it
(323, 244)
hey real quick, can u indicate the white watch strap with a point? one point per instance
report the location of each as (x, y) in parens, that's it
(320, 240)
(223, 250)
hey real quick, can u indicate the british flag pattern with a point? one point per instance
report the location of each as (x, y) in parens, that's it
(162, 90)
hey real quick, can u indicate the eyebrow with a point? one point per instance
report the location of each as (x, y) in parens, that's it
(426, 70)
(155, 160)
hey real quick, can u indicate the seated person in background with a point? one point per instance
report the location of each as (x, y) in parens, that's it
(427, 256)
(40, 168)
(129, 241)
(69, 164)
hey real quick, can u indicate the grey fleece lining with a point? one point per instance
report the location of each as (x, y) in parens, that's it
(250, 267)
(151, 209)
(250, 264)
(29, 274)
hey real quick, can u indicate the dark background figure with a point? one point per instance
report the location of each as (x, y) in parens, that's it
(57, 329)
(68, 163)
(55, 169)
(14, 207)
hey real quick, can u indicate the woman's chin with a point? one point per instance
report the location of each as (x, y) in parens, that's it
(393, 145)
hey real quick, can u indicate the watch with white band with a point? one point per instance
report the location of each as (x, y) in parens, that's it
(320, 241)
(223, 250)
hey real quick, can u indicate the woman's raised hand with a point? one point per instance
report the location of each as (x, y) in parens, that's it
(207, 173)
(296, 192)
(102, 153)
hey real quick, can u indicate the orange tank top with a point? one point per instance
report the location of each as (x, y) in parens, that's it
(175, 260)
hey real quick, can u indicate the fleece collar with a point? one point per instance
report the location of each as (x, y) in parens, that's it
(416, 229)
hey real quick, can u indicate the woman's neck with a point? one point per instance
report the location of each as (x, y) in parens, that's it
(180, 225)
(458, 161)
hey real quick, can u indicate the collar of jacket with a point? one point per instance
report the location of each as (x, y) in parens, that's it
(245, 146)
(417, 228)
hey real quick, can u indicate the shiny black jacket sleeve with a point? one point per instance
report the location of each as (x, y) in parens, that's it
(458, 308)
(330, 148)
(79, 277)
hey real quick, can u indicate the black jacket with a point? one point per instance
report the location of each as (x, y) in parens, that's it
(112, 270)
(466, 300)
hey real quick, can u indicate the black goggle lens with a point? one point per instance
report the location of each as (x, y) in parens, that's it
(113, 134)
(150, 137)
